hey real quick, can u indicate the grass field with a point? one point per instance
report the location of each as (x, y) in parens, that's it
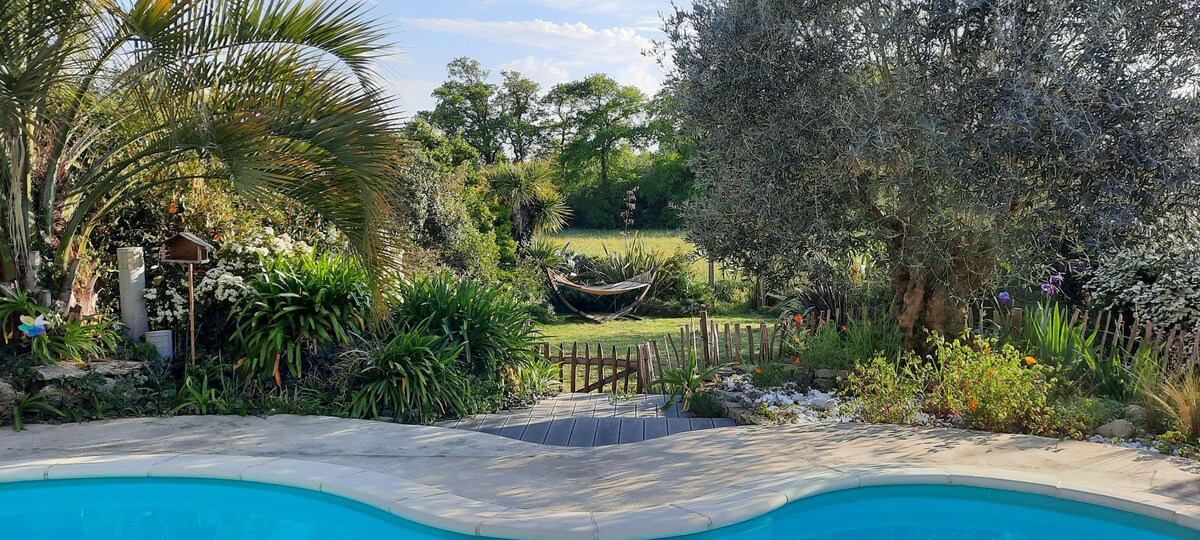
(593, 242)
(628, 333)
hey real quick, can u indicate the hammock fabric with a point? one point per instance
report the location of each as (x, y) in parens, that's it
(640, 282)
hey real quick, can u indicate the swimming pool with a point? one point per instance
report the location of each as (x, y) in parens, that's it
(193, 509)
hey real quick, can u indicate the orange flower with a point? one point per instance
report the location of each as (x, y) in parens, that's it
(173, 208)
(758, 370)
(799, 319)
(796, 360)
(972, 404)
(843, 328)
(987, 350)
(991, 373)
(1029, 360)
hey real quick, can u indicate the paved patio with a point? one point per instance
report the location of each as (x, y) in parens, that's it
(589, 420)
(482, 484)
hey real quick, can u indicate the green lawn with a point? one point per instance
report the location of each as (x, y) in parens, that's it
(593, 242)
(628, 333)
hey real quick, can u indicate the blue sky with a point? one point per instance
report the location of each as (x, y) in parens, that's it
(550, 41)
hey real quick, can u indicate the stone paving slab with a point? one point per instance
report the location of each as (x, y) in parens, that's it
(459, 478)
(597, 420)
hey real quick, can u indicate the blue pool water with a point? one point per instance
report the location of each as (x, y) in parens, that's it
(187, 509)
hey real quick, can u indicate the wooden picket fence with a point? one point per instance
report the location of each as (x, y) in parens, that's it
(595, 368)
(1114, 334)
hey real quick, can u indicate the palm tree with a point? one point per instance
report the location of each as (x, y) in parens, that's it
(536, 206)
(101, 100)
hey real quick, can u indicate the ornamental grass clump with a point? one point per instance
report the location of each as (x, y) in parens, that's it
(410, 377)
(297, 307)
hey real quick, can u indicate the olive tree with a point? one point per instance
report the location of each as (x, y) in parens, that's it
(961, 138)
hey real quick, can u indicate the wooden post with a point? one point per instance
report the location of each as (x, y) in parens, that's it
(712, 273)
(704, 355)
(737, 341)
(1017, 315)
(614, 371)
(192, 311)
(750, 343)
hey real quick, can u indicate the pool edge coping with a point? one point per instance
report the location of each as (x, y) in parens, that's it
(733, 504)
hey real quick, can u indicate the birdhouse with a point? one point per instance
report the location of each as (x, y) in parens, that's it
(185, 248)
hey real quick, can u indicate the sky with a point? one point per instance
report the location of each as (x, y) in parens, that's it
(550, 41)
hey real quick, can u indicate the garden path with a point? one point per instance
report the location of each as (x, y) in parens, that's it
(589, 420)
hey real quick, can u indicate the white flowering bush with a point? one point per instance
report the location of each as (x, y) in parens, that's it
(1159, 285)
(221, 283)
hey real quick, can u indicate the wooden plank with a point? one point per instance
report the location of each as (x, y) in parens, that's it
(625, 384)
(728, 351)
(750, 343)
(583, 433)
(632, 430)
(705, 353)
(614, 369)
(536, 432)
(608, 431)
(559, 432)
(1132, 336)
(678, 425)
(737, 341)
(653, 428)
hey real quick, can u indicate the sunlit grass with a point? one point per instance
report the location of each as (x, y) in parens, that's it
(593, 242)
(629, 333)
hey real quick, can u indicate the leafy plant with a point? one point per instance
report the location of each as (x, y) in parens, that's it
(536, 378)
(412, 376)
(15, 302)
(884, 391)
(1174, 392)
(1047, 334)
(768, 375)
(199, 397)
(491, 331)
(76, 341)
(297, 306)
(684, 383)
(35, 402)
(706, 405)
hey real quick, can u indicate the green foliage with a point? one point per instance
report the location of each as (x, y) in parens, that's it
(297, 111)
(684, 383)
(845, 156)
(536, 378)
(1173, 392)
(886, 391)
(769, 375)
(296, 307)
(966, 380)
(1049, 336)
(707, 405)
(493, 331)
(410, 377)
(34, 403)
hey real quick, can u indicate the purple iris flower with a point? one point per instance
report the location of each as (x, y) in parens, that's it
(1056, 280)
(1048, 289)
(1005, 299)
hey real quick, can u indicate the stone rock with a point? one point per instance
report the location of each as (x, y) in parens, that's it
(826, 385)
(1134, 413)
(8, 397)
(59, 372)
(826, 373)
(1119, 429)
(842, 373)
(116, 368)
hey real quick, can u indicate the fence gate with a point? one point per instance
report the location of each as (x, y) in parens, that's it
(593, 368)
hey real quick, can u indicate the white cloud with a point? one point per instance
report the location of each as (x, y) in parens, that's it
(545, 71)
(578, 49)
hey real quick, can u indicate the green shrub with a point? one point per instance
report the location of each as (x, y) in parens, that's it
(769, 375)
(1047, 334)
(297, 307)
(493, 332)
(885, 390)
(536, 378)
(410, 377)
(824, 349)
(683, 384)
(867, 337)
(1172, 393)
(707, 405)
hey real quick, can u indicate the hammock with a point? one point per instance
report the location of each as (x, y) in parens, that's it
(640, 282)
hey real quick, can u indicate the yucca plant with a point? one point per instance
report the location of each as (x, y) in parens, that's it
(685, 383)
(296, 307)
(100, 101)
(494, 332)
(412, 376)
(534, 203)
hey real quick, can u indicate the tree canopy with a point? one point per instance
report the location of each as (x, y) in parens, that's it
(962, 139)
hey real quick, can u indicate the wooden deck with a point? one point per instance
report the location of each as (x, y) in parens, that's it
(589, 420)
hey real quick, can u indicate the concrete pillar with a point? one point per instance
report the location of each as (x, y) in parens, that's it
(131, 272)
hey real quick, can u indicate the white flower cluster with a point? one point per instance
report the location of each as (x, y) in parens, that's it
(224, 282)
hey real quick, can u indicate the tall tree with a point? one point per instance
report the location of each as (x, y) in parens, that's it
(466, 107)
(521, 108)
(101, 100)
(961, 136)
(534, 203)
(606, 116)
